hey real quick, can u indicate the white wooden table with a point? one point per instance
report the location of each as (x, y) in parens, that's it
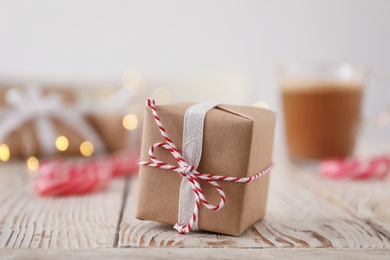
(307, 216)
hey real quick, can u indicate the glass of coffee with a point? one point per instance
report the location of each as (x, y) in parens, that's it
(322, 107)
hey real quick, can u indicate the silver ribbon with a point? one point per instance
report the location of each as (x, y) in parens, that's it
(192, 152)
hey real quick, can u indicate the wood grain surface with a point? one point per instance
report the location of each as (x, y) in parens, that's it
(194, 253)
(306, 215)
(30, 221)
(304, 211)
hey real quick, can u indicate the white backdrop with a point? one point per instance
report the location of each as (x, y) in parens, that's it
(225, 50)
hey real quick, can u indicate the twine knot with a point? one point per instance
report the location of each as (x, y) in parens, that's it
(186, 170)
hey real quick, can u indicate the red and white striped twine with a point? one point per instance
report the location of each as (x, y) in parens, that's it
(188, 171)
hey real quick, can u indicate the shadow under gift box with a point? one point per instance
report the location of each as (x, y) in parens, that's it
(237, 141)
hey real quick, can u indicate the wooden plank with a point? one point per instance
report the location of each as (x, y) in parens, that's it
(194, 253)
(30, 221)
(347, 228)
(368, 200)
(299, 214)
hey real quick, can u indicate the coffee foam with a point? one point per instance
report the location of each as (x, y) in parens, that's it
(313, 84)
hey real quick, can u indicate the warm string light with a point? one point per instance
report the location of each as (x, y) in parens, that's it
(62, 143)
(4, 153)
(130, 122)
(32, 163)
(86, 148)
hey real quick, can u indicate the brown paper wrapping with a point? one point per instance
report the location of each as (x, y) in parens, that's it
(111, 130)
(23, 142)
(238, 141)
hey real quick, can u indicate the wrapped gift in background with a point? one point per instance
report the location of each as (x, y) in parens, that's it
(117, 117)
(33, 117)
(52, 120)
(237, 142)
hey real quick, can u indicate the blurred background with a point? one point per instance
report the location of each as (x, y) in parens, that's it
(193, 50)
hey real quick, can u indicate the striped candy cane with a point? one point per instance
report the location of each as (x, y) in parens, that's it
(190, 173)
(81, 176)
(355, 168)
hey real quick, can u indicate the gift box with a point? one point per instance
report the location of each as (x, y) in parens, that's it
(109, 120)
(33, 116)
(237, 144)
(110, 129)
(22, 107)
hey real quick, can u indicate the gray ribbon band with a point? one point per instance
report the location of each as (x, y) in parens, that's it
(192, 152)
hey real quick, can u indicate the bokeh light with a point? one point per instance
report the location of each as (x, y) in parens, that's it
(261, 104)
(62, 143)
(4, 153)
(130, 122)
(86, 148)
(32, 163)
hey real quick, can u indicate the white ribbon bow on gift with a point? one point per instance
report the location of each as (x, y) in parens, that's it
(31, 105)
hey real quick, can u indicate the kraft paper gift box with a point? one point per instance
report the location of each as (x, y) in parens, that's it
(110, 129)
(23, 141)
(237, 141)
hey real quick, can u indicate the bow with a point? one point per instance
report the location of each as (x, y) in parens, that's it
(190, 173)
(31, 104)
